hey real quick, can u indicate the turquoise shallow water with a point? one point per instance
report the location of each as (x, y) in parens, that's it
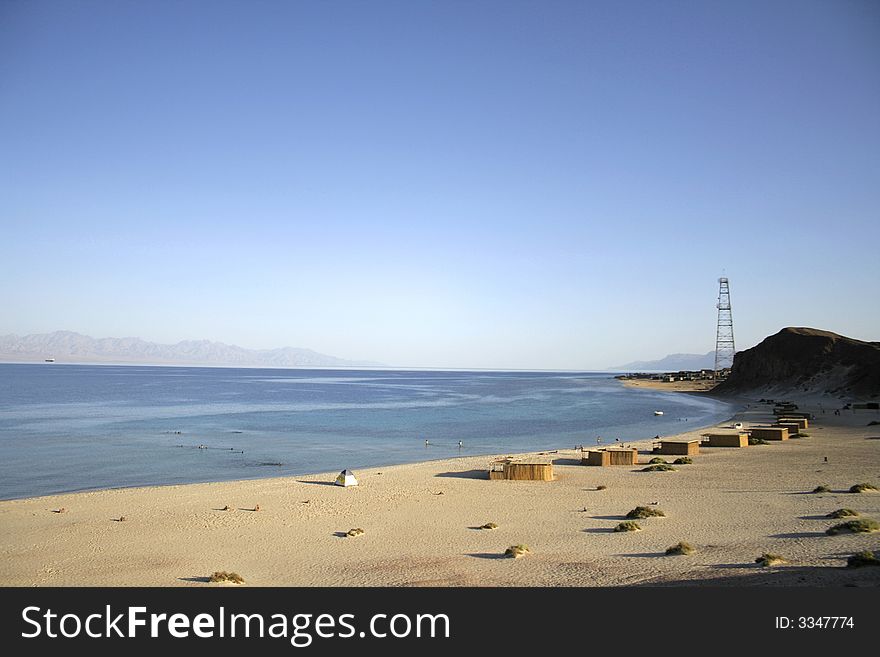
(77, 427)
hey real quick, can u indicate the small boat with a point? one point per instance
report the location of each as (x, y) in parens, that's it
(50, 360)
(658, 412)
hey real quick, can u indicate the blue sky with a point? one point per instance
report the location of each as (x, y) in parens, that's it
(440, 184)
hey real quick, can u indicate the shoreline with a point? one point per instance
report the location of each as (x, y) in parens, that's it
(421, 523)
(735, 403)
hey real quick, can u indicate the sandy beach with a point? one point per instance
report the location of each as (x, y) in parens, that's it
(665, 386)
(421, 522)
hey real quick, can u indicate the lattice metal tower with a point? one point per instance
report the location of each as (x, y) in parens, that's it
(724, 349)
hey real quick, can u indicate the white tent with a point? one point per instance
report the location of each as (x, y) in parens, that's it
(346, 478)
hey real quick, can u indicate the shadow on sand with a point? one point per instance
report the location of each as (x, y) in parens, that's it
(487, 555)
(799, 535)
(465, 474)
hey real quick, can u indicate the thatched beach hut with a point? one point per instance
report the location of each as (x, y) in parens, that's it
(611, 456)
(769, 433)
(726, 439)
(792, 427)
(680, 447)
(801, 422)
(521, 470)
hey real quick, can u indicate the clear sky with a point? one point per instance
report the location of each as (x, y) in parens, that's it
(441, 184)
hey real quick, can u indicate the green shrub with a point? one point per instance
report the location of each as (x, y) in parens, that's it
(843, 513)
(860, 559)
(644, 512)
(862, 488)
(861, 526)
(821, 489)
(683, 460)
(657, 459)
(757, 441)
(658, 467)
(628, 526)
(770, 559)
(601, 487)
(517, 551)
(357, 531)
(681, 548)
(223, 576)
(489, 525)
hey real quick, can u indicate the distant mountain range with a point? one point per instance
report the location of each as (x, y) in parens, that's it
(671, 363)
(66, 346)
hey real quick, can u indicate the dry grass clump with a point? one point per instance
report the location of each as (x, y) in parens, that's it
(222, 576)
(769, 559)
(628, 526)
(658, 467)
(801, 434)
(862, 488)
(683, 460)
(517, 551)
(357, 531)
(843, 513)
(757, 441)
(821, 489)
(681, 548)
(601, 487)
(225, 508)
(489, 525)
(860, 559)
(645, 512)
(61, 510)
(862, 526)
(657, 459)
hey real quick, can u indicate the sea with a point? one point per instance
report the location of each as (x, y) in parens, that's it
(66, 427)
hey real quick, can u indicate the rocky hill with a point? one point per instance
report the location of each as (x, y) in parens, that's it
(806, 360)
(66, 346)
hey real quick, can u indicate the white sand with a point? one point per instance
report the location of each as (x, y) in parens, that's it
(731, 504)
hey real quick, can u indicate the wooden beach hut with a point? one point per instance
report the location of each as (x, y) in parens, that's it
(521, 470)
(808, 416)
(611, 456)
(803, 414)
(801, 422)
(679, 447)
(792, 427)
(726, 439)
(769, 433)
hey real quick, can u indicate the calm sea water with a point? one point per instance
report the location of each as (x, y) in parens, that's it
(77, 427)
